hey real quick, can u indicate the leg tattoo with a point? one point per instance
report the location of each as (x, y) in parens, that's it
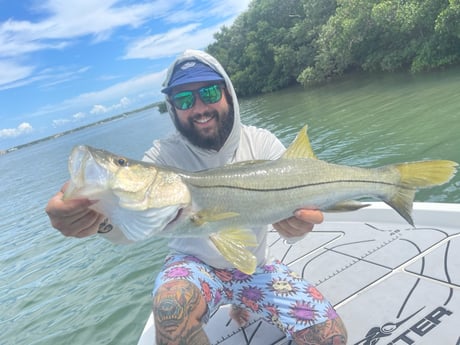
(178, 308)
(331, 332)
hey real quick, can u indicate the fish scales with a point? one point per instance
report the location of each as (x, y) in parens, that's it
(307, 183)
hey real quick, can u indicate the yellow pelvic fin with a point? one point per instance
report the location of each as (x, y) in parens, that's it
(300, 147)
(210, 215)
(416, 175)
(232, 245)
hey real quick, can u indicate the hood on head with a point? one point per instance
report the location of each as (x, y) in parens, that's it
(204, 58)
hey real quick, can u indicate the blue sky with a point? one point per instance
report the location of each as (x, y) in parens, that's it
(66, 63)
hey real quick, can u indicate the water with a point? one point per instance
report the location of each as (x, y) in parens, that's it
(57, 290)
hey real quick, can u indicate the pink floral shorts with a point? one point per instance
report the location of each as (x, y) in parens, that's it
(274, 291)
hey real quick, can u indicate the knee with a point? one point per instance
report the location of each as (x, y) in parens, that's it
(177, 301)
(329, 332)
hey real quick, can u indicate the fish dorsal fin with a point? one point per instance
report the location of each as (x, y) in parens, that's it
(300, 147)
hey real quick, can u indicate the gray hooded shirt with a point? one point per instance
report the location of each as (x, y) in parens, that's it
(243, 143)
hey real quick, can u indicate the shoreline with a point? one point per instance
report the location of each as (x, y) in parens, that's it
(100, 122)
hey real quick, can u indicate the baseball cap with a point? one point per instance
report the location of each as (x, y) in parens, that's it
(191, 72)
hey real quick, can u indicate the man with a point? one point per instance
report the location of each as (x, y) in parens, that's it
(196, 279)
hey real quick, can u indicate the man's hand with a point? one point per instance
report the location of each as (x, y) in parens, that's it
(299, 225)
(73, 217)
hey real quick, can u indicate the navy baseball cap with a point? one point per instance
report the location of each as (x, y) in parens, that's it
(191, 72)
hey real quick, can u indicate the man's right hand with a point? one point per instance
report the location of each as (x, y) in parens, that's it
(73, 218)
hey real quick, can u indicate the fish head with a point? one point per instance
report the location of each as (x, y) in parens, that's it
(138, 197)
(131, 184)
(95, 171)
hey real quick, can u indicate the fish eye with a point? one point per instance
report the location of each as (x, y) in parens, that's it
(121, 161)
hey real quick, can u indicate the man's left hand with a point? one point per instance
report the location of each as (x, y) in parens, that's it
(299, 225)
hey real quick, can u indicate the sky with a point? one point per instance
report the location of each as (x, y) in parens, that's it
(67, 63)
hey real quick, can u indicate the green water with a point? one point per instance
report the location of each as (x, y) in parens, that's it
(55, 290)
(372, 120)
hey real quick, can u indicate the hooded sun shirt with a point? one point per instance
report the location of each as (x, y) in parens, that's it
(243, 143)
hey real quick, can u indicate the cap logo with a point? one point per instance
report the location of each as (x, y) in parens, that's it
(188, 65)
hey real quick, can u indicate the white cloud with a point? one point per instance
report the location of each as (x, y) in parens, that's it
(61, 24)
(23, 128)
(21, 76)
(68, 20)
(60, 122)
(79, 116)
(74, 118)
(116, 94)
(125, 101)
(11, 71)
(99, 109)
(198, 11)
(64, 21)
(172, 42)
(143, 86)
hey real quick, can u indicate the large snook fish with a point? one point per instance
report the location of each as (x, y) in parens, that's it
(143, 199)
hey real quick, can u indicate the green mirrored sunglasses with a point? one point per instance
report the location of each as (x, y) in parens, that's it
(185, 100)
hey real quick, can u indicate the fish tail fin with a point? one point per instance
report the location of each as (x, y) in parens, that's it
(416, 175)
(426, 173)
(232, 244)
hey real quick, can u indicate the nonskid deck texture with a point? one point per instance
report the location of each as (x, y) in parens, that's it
(390, 283)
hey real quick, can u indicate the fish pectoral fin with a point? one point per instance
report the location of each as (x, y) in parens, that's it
(345, 206)
(210, 215)
(232, 244)
(300, 147)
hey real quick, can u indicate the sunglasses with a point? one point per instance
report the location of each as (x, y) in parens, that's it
(185, 100)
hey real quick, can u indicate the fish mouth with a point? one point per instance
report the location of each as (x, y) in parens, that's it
(85, 172)
(77, 161)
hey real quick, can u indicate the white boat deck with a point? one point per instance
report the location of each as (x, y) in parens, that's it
(390, 283)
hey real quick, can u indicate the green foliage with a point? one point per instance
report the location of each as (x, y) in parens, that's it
(268, 46)
(275, 43)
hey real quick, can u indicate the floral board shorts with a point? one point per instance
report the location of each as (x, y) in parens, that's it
(273, 292)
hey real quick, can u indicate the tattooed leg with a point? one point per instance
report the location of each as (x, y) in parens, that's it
(331, 332)
(178, 307)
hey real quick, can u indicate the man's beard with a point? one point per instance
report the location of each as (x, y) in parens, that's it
(215, 142)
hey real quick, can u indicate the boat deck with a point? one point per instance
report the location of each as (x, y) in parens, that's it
(390, 283)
